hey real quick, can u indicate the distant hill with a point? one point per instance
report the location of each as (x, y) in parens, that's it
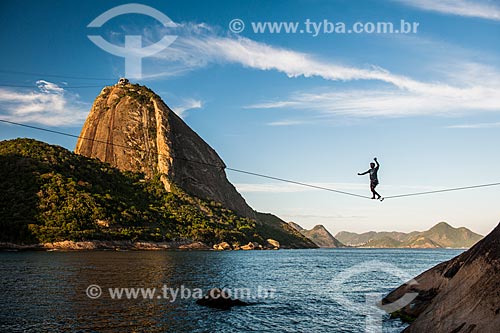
(447, 236)
(319, 235)
(442, 235)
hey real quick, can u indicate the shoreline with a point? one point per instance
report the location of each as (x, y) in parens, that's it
(97, 245)
(105, 245)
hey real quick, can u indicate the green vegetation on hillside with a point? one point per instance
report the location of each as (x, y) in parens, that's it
(384, 242)
(51, 194)
(440, 235)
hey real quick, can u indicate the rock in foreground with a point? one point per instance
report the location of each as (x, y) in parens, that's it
(461, 295)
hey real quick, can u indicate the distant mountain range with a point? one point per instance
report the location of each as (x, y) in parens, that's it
(442, 235)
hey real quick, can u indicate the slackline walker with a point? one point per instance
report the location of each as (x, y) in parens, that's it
(373, 171)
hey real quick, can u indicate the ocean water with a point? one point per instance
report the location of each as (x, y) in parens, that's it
(321, 290)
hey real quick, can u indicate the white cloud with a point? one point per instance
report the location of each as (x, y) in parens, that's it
(477, 125)
(49, 104)
(287, 123)
(485, 9)
(186, 105)
(200, 47)
(462, 89)
(392, 102)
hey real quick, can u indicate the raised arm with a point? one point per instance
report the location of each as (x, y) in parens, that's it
(377, 165)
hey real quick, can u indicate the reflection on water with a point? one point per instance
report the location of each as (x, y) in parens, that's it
(46, 291)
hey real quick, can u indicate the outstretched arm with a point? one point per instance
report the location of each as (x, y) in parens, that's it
(363, 173)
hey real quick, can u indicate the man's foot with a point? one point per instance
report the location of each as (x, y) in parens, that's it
(378, 196)
(373, 197)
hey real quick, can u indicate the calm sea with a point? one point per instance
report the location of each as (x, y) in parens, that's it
(323, 290)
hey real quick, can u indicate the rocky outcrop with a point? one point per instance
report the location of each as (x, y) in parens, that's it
(251, 246)
(131, 128)
(460, 295)
(273, 244)
(222, 246)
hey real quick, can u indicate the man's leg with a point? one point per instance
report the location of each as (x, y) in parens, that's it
(372, 188)
(375, 192)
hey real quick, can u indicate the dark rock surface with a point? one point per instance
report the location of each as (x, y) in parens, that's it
(460, 295)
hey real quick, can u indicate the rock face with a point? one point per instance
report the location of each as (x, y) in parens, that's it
(461, 295)
(131, 128)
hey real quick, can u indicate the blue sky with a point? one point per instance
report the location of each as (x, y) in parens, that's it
(314, 109)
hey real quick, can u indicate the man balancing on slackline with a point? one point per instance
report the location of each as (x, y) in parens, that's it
(373, 178)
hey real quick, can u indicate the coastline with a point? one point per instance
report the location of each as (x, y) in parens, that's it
(105, 245)
(146, 246)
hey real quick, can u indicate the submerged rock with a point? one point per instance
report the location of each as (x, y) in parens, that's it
(219, 299)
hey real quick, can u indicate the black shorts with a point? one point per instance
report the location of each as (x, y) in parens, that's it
(374, 183)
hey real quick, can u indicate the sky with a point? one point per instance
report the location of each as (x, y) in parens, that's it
(313, 106)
